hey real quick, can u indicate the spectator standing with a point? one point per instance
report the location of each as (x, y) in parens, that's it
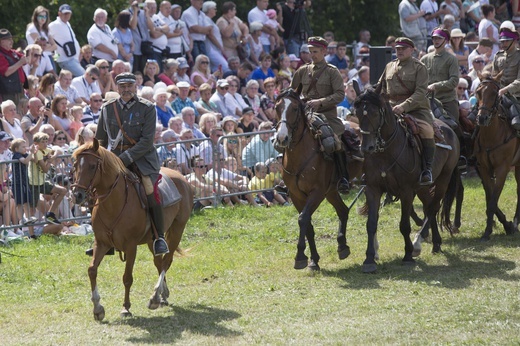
(258, 14)
(255, 45)
(234, 31)
(87, 84)
(38, 33)
(214, 42)
(364, 39)
(293, 37)
(174, 34)
(487, 28)
(453, 8)
(101, 38)
(12, 77)
(123, 34)
(187, 43)
(92, 111)
(158, 33)
(68, 46)
(432, 13)
(140, 23)
(197, 25)
(410, 19)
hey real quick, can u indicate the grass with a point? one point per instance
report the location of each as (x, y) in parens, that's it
(237, 286)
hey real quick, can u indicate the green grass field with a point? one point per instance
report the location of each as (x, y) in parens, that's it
(236, 286)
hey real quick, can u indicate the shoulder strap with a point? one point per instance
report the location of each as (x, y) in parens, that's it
(130, 139)
(71, 37)
(402, 83)
(315, 78)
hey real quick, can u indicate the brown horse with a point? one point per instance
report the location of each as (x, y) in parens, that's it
(309, 177)
(393, 165)
(497, 148)
(119, 220)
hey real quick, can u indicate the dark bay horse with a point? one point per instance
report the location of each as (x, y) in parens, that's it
(119, 220)
(310, 178)
(497, 149)
(392, 165)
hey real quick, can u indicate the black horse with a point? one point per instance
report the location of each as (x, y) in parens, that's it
(392, 164)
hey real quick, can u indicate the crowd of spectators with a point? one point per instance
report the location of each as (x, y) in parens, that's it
(209, 75)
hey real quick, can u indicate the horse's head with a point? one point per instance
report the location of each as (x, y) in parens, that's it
(370, 108)
(87, 172)
(288, 108)
(488, 99)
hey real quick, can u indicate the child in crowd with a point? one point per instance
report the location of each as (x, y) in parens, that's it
(263, 181)
(38, 167)
(22, 195)
(273, 23)
(139, 79)
(76, 124)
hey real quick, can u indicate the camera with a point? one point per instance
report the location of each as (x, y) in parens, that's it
(427, 14)
(141, 5)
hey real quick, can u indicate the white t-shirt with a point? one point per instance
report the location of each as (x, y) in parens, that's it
(173, 42)
(62, 33)
(192, 17)
(97, 36)
(160, 42)
(84, 89)
(257, 15)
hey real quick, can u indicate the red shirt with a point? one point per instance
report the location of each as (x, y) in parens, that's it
(4, 64)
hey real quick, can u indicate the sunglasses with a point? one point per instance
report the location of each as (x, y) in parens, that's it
(100, 100)
(232, 141)
(461, 88)
(41, 17)
(94, 78)
(60, 138)
(204, 62)
(37, 55)
(478, 61)
(225, 88)
(104, 67)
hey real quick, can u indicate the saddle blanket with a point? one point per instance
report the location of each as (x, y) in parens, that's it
(170, 195)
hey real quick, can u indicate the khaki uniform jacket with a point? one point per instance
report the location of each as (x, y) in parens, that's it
(509, 63)
(443, 72)
(329, 90)
(412, 95)
(138, 118)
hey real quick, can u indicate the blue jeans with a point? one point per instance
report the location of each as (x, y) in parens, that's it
(73, 66)
(292, 46)
(267, 48)
(199, 47)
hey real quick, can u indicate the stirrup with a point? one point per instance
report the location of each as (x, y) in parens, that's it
(343, 186)
(160, 247)
(426, 178)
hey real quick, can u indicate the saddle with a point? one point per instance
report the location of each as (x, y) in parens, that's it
(322, 132)
(410, 123)
(439, 113)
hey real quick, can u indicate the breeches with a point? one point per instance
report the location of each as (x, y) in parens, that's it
(148, 183)
(425, 129)
(452, 108)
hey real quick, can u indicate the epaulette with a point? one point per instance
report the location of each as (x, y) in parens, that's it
(145, 101)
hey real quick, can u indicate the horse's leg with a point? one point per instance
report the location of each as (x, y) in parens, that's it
(405, 227)
(517, 212)
(128, 279)
(342, 211)
(155, 299)
(373, 199)
(458, 207)
(419, 238)
(416, 218)
(307, 232)
(99, 253)
(493, 192)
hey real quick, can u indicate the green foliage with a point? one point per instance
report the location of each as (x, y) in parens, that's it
(345, 18)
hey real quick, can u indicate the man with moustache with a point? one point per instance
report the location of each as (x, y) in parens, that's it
(127, 128)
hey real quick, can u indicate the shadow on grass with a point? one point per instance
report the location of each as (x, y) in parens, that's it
(196, 319)
(460, 272)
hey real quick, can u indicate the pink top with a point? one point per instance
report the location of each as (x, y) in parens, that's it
(204, 79)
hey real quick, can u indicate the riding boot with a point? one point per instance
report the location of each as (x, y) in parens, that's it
(514, 112)
(160, 247)
(428, 153)
(352, 144)
(341, 167)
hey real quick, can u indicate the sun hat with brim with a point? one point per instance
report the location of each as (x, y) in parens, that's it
(228, 118)
(125, 77)
(457, 33)
(5, 34)
(183, 63)
(183, 84)
(161, 91)
(404, 42)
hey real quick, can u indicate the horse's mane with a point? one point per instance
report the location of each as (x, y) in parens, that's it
(109, 161)
(373, 97)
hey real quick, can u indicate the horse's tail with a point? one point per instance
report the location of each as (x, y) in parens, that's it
(447, 201)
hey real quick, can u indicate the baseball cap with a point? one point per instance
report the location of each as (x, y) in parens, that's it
(304, 48)
(247, 110)
(125, 77)
(175, 6)
(65, 8)
(183, 63)
(4, 136)
(293, 57)
(222, 83)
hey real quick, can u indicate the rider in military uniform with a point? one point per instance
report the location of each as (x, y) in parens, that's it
(507, 61)
(127, 128)
(405, 80)
(323, 89)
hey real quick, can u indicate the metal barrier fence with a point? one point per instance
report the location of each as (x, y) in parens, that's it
(180, 155)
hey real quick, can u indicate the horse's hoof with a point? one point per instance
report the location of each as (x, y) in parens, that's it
(454, 230)
(416, 252)
(300, 264)
(314, 267)
(369, 268)
(153, 304)
(99, 315)
(344, 253)
(436, 249)
(510, 228)
(164, 303)
(126, 313)
(485, 238)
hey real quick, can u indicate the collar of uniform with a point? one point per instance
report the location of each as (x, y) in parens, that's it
(404, 62)
(128, 104)
(441, 53)
(320, 64)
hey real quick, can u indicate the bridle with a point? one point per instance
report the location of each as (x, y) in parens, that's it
(381, 143)
(294, 125)
(494, 108)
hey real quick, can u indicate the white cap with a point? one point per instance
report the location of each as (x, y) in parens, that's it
(183, 84)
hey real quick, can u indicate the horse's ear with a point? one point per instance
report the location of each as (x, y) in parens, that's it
(355, 84)
(299, 89)
(95, 145)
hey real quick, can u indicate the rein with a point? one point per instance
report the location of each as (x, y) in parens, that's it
(494, 108)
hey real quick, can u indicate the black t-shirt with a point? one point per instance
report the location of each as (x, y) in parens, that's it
(287, 23)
